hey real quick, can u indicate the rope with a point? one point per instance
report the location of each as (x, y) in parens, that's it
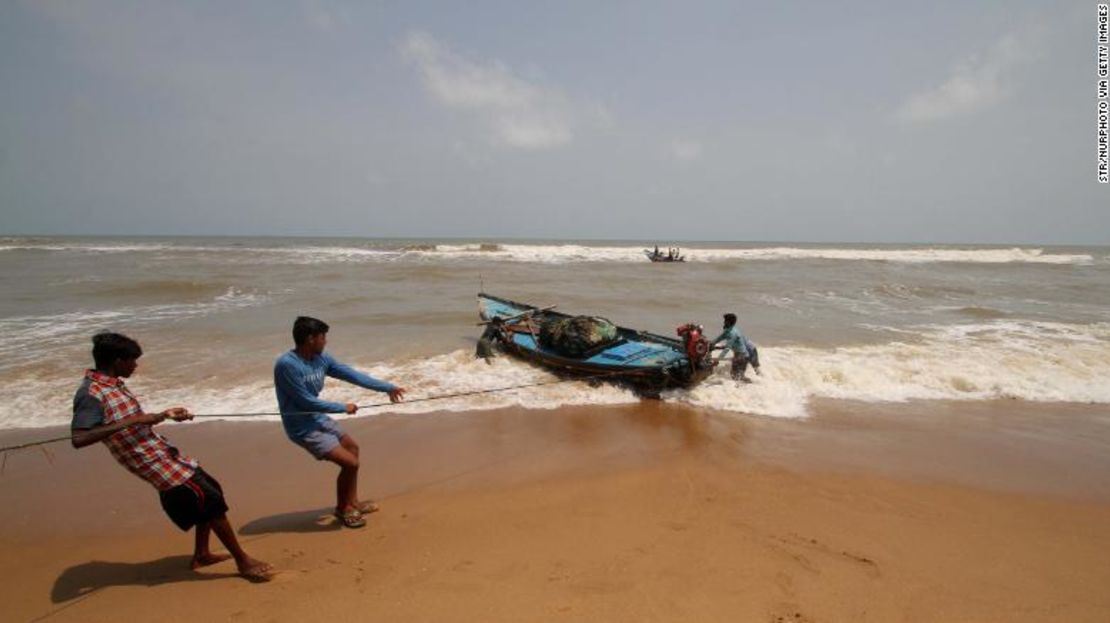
(375, 405)
(32, 444)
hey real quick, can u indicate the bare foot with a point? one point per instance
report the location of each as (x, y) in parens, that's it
(256, 570)
(203, 560)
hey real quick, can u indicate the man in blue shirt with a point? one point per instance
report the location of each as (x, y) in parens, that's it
(298, 379)
(743, 351)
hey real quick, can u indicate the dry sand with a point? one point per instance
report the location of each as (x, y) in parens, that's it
(997, 512)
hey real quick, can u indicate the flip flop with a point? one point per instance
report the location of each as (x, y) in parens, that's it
(351, 518)
(367, 507)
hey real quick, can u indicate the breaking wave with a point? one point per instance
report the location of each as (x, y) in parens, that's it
(1033, 361)
(1024, 360)
(26, 336)
(552, 253)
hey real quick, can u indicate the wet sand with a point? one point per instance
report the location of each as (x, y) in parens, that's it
(922, 512)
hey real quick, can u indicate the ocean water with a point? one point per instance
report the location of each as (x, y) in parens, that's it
(879, 323)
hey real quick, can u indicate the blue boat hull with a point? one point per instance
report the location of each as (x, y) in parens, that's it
(647, 361)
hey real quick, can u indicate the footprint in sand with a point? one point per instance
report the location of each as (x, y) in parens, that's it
(791, 617)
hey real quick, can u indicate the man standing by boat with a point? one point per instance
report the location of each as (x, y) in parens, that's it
(298, 380)
(494, 333)
(743, 351)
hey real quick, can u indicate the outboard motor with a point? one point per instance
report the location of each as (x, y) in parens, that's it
(697, 347)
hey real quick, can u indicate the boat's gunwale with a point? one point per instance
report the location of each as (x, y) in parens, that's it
(636, 333)
(655, 376)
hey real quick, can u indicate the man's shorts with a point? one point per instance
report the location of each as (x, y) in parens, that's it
(199, 500)
(322, 439)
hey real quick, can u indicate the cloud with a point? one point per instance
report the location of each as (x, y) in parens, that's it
(321, 20)
(975, 84)
(518, 113)
(685, 150)
(320, 15)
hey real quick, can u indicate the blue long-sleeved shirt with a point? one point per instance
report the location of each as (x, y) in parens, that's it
(735, 341)
(298, 383)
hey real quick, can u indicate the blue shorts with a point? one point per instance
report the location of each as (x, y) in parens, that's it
(322, 439)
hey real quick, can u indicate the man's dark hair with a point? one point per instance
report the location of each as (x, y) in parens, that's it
(109, 347)
(305, 327)
(730, 319)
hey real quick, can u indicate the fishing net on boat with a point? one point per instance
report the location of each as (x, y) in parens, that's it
(574, 337)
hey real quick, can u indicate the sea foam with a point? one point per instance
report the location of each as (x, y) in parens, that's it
(27, 335)
(1033, 361)
(558, 253)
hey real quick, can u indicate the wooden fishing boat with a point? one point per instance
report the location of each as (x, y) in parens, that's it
(663, 257)
(646, 361)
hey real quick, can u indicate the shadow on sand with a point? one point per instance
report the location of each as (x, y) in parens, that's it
(316, 520)
(87, 578)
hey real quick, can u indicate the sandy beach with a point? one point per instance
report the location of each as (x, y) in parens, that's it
(871, 384)
(650, 512)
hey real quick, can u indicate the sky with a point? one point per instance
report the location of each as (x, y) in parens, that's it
(947, 122)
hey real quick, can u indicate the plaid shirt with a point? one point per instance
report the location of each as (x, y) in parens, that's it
(142, 451)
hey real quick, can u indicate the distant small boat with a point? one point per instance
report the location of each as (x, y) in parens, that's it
(647, 361)
(663, 257)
